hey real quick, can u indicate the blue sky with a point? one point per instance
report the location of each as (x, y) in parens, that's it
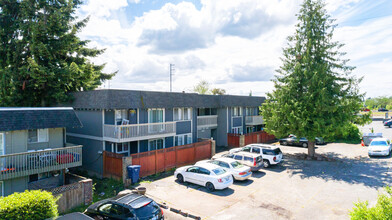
(234, 45)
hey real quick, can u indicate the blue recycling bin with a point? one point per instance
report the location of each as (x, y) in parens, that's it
(133, 173)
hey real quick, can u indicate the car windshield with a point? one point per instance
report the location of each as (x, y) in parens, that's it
(146, 211)
(219, 171)
(277, 151)
(236, 164)
(378, 143)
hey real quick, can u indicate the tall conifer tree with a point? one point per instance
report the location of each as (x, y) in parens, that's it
(41, 57)
(315, 93)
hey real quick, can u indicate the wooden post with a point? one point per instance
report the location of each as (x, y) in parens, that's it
(176, 156)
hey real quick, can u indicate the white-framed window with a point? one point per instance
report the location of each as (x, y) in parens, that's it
(1, 188)
(122, 148)
(38, 135)
(156, 144)
(120, 115)
(250, 111)
(237, 130)
(156, 115)
(183, 139)
(236, 111)
(181, 114)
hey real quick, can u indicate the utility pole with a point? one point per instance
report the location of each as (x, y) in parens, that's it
(171, 74)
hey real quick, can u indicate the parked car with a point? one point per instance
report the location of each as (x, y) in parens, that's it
(235, 168)
(271, 154)
(129, 206)
(388, 123)
(302, 142)
(254, 161)
(379, 147)
(209, 175)
(365, 109)
(382, 110)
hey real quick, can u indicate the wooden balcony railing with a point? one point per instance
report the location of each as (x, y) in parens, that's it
(29, 163)
(254, 120)
(207, 121)
(134, 132)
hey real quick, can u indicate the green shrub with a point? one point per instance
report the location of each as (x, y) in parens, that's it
(350, 134)
(382, 210)
(35, 204)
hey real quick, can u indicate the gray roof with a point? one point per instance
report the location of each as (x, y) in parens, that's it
(117, 99)
(12, 119)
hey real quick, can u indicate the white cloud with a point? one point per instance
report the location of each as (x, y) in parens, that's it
(235, 45)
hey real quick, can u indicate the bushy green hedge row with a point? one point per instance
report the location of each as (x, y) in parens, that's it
(35, 204)
(381, 211)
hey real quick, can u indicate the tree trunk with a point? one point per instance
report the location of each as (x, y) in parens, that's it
(311, 149)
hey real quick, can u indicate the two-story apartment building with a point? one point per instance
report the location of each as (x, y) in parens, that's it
(126, 121)
(33, 149)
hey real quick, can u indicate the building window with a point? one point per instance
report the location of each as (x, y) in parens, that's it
(236, 111)
(182, 114)
(155, 115)
(120, 116)
(38, 135)
(250, 111)
(237, 130)
(183, 139)
(122, 148)
(249, 129)
(156, 144)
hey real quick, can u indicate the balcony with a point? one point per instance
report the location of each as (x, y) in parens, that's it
(254, 120)
(208, 121)
(135, 132)
(29, 163)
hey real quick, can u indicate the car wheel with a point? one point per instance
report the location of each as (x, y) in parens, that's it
(266, 163)
(390, 126)
(305, 145)
(210, 187)
(284, 143)
(180, 178)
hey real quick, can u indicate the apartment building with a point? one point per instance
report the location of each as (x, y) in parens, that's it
(34, 153)
(127, 121)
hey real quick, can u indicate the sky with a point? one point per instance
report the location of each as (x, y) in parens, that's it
(234, 45)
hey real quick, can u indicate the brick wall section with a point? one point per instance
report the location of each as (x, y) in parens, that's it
(88, 191)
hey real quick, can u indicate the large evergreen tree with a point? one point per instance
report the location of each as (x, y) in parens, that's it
(41, 57)
(315, 93)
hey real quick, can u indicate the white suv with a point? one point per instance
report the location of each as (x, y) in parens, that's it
(271, 154)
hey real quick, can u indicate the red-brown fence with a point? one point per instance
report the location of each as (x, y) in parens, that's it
(112, 165)
(156, 161)
(237, 140)
(152, 162)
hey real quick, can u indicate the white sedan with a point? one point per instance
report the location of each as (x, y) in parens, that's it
(235, 168)
(209, 175)
(380, 147)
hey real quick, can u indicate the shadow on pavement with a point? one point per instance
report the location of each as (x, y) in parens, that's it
(276, 168)
(360, 170)
(258, 174)
(224, 192)
(243, 183)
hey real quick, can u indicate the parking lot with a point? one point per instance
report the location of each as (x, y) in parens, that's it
(296, 189)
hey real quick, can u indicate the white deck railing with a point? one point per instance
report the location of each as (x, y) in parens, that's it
(207, 121)
(34, 162)
(119, 133)
(254, 120)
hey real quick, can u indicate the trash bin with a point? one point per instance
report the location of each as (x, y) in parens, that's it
(368, 137)
(133, 173)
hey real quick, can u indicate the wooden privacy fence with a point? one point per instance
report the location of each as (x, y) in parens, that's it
(152, 162)
(238, 140)
(112, 165)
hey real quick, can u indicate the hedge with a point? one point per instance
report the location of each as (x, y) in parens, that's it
(381, 211)
(34, 204)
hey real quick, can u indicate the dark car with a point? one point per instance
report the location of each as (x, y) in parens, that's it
(382, 110)
(129, 206)
(302, 142)
(388, 123)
